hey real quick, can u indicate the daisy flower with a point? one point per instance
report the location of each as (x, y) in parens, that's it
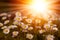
(15, 33)
(6, 22)
(1, 24)
(6, 31)
(50, 37)
(4, 27)
(17, 18)
(18, 14)
(55, 28)
(22, 24)
(3, 18)
(12, 26)
(30, 28)
(25, 26)
(15, 22)
(47, 26)
(29, 36)
(41, 31)
(29, 20)
(24, 30)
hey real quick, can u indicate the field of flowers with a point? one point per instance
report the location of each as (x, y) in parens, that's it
(15, 26)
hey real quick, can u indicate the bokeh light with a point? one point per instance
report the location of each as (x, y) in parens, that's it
(39, 5)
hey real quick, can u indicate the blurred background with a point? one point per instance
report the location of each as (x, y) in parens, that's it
(9, 5)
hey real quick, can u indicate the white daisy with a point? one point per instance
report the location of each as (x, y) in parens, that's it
(55, 28)
(17, 18)
(12, 26)
(29, 36)
(30, 28)
(3, 18)
(47, 26)
(22, 24)
(41, 31)
(24, 30)
(1, 24)
(15, 22)
(6, 22)
(6, 31)
(25, 26)
(29, 20)
(18, 14)
(4, 27)
(50, 37)
(15, 33)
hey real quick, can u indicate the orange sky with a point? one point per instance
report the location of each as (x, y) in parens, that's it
(21, 1)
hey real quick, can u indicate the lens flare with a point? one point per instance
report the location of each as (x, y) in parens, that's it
(39, 8)
(39, 5)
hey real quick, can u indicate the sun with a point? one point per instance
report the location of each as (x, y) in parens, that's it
(39, 5)
(39, 8)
